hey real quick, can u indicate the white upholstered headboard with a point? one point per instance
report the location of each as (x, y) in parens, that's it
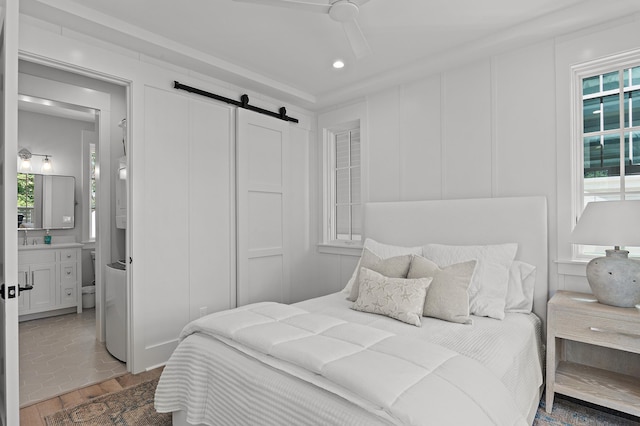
(522, 220)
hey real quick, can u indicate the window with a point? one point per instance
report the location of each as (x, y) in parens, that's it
(92, 192)
(26, 201)
(90, 172)
(608, 129)
(343, 208)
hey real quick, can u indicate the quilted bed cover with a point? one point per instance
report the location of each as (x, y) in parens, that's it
(362, 367)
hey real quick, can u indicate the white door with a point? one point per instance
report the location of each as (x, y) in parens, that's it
(262, 155)
(9, 379)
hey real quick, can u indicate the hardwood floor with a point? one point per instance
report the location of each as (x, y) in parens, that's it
(33, 415)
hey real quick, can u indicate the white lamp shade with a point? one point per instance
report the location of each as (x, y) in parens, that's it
(609, 223)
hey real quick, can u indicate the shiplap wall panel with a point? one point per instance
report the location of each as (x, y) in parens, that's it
(525, 160)
(166, 122)
(466, 132)
(420, 140)
(211, 194)
(383, 146)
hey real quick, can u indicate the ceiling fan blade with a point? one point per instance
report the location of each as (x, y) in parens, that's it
(358, 43)
(292, 4)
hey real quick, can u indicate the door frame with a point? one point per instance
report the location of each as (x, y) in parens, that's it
(9, 363)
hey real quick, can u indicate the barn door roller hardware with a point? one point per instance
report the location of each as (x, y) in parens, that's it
(242, 103)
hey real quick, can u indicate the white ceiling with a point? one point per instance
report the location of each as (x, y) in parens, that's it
(288, 53)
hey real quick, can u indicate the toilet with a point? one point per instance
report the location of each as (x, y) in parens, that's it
(88, 296)
(89, 291)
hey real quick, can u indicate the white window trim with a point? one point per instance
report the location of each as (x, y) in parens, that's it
(335, 119)
(578, 72)
(85, 185)
(328, 188)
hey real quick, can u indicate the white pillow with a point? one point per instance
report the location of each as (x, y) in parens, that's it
(383, 251)
(397, 298)
(522, 279)
(488, 289)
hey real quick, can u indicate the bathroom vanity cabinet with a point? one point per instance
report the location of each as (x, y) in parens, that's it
(55, 274)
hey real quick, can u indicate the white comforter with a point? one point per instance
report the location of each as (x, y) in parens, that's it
(401, 379)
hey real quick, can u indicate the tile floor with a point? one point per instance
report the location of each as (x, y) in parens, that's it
(60, 354)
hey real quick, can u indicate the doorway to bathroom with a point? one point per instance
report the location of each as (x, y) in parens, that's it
(79, 124)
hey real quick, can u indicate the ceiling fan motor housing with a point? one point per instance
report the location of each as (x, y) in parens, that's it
(343, 11)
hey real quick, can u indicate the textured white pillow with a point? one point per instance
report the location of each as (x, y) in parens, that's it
(488, 289)
(522, 279)
(394, 267)
(383, 251)
(448, 295)
(397, 298)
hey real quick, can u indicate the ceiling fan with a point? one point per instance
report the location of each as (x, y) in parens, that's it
(343, 11)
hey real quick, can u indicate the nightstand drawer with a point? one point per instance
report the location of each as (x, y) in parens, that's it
(595, 330)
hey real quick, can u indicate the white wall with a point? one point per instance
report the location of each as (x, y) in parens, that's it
(492, 128)
(165, 289)
(60, 138)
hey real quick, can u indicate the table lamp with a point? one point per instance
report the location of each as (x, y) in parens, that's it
(614, 279)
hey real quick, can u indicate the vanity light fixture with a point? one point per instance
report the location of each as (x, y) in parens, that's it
(25, 161)
(47, 167)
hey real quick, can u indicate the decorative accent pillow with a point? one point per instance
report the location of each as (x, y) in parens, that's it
(447, 296)
(488, 289)
(394, 267)
(397, 298)
(522, 279)
(384, 251)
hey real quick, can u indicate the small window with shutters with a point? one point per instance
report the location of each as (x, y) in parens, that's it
(343, 209)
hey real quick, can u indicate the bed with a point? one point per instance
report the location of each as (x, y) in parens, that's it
(272, 364)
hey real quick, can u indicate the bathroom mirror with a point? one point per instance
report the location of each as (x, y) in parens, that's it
(46, 201)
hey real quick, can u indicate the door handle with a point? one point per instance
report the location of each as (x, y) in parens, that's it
(25, 288)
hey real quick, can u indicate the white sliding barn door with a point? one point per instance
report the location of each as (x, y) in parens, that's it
(262, 150)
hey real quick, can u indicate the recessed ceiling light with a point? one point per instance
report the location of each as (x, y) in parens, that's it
(338, 64)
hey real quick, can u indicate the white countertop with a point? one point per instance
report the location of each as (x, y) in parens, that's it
(40, 246)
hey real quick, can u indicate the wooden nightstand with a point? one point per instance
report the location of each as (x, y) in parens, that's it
(579, 317)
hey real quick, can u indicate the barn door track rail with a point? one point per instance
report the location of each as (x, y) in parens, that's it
(242, 103)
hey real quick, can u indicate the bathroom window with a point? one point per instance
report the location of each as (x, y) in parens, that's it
(92, 191)
(25, 198)
(90, 171)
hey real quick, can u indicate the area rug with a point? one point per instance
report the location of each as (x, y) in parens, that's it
(570, 412)
(129, 407)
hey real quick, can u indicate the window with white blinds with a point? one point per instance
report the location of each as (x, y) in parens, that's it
(607, 129)
(345, 182)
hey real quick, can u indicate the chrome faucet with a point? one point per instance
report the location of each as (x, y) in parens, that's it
(24, 239)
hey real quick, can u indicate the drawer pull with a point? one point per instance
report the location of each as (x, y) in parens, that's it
(604, 330)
